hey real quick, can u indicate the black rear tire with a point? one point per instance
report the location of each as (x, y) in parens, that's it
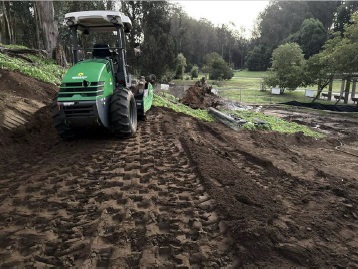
(63, 129)
(123, 113)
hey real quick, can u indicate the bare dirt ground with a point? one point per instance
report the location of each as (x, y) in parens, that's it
(182, 193)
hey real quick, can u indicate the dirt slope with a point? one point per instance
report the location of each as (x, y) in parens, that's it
(20, 98)
(181, 193)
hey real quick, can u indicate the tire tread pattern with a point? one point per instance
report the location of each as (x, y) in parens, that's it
(120, 106)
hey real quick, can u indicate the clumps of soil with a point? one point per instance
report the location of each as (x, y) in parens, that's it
(200, 96)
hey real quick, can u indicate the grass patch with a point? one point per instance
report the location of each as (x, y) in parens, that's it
(11, 46)
(249, 74)
(275, 123)
(245, 86)
(262, 97)
(41, 69)
(167, 100)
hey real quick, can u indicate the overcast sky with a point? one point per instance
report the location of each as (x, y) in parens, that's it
(242, 13)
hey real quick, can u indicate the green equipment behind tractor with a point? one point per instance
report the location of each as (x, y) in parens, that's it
(99, 91)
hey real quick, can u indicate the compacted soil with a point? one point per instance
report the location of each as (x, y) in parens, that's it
(181, 193)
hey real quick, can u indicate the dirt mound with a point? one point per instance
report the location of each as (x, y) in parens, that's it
(36, 134)
(16, 84)
(21, 98)
(200, 96)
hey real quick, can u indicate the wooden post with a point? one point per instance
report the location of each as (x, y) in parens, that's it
(338, 97)
(342, 87)
(330, 87)
(346, 91)
(354, 88)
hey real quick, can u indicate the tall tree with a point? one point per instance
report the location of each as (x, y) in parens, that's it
(310, 37)
(134, 10)
(324, 11)
(6, 29)
(216, 66)
(180, 63)
(280, 19)
(343, 16)
(158, 44)
(48, 25)
(258, 59)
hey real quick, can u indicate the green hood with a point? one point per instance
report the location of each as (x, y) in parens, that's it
(87, 80)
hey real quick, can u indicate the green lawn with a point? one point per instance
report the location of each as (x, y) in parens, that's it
(249, 74)
(245, 86)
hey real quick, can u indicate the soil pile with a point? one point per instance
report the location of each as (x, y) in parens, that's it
(16, 84)
(22, 112)
(200, 96)
(181, 193)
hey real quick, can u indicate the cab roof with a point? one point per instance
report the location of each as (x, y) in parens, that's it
(99, 20)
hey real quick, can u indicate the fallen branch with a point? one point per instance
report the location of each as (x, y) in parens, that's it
(27, 59)
(9, 51)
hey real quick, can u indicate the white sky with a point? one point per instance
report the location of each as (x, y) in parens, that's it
(242, 13)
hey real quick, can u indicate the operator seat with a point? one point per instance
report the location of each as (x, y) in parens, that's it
(101, 51)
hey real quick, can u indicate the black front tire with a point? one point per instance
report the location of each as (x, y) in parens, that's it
(63, 129)
(123, 113)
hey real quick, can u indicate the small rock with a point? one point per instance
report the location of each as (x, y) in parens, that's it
(93, 255)
(257, 235)
(348, 205)
(309, 229)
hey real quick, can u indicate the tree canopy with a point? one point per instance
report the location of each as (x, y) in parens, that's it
(217, 67)
(163, 30)
(308, 23)
(287, 67)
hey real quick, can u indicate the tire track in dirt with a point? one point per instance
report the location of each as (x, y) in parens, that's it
(276, 210)
(136, 202)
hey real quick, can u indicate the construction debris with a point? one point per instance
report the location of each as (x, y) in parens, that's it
(200, 96)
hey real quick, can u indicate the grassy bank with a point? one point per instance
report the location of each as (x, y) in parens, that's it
(39, 68)
(273, 123)
(167, 100)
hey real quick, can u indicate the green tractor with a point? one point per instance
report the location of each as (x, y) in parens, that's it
(99, 91)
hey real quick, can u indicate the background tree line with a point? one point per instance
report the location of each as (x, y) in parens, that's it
(167, 36)
(161, 29)
(308, 23)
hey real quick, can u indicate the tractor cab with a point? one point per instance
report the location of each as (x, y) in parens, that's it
(114, 25)
(97, 90)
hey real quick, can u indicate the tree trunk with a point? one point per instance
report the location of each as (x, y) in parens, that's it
(47, 25)
(38, 39)
(346, 91)
(321, 86)
(7, 37)
(330, 90)
(60, 56)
